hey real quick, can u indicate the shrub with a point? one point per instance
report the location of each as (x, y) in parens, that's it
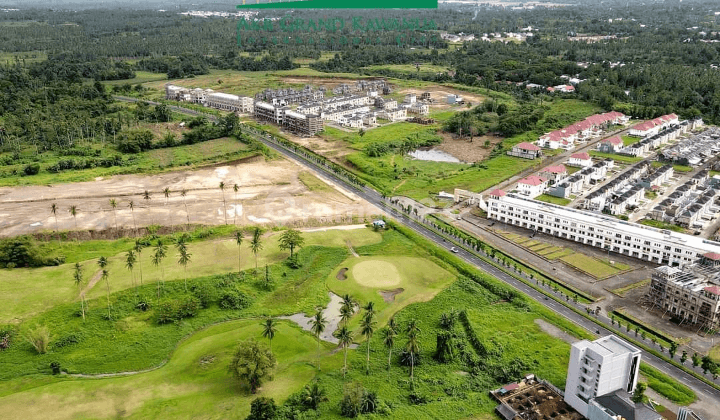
(55, 366)
(177, 309)
(357, 400)
(39, 338)
(6, 333)
(233, 299)
(205, 293)
(143, 304)
(23, 251)
(416, 398)
(405, 359)
(67, 341)
(32, 169)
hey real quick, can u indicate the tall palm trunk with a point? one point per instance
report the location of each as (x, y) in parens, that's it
(345, 363)
(389, 357)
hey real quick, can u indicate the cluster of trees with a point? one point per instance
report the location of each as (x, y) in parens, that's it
(423, 139)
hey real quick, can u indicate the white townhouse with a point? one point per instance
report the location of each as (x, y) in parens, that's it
(593, 229)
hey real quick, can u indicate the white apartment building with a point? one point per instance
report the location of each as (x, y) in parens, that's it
(228, 102)
(593, 229)
(599, 368)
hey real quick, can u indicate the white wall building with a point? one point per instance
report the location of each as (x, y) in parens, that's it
(593, 229)
(599, 368)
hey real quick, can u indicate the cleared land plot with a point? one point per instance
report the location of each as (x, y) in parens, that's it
(269, 192)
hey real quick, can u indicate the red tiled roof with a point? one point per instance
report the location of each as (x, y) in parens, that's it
(557, 169)
(510, 387)
(551, 89)
(613, 140)
(581, 155)
(498, 192)
(527, 146)
(712, 256)
(712, 289)
(533, 180)
(644, 126)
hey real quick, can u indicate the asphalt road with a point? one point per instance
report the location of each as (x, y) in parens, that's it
(375, 198)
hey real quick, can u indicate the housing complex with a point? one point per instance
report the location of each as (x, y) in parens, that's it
(597, 230)
(581, 131)
(304, 111)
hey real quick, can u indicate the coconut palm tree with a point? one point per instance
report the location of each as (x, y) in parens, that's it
(256, 244)
(181, 246)
(349, 301)
(166, 193)
(222, 189)
(147, 197)
(160, 254)
(131, 204)
(269, 330)
(344, 337)
(130, 260)
(313, 395)
(236, 188)
(388, 335)
(102, 263)
(317, 326)
(367, 328)
(369, 308)
(73, 210)
(113, 204)
(77, 276)
(53, 210)
(412, 345)
(346, 313)
(183, 193)
(138, 248)
(238, 241)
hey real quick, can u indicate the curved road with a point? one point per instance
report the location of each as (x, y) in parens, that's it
(375, 198)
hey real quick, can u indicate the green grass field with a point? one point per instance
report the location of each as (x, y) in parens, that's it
(662, 225)
(715, 353)
(194, 383)
(140, 78)
(152, 161)
(616, 158)
(593, 266)
(553, 200)
(622, 290)
(419, 278)
(31, 291)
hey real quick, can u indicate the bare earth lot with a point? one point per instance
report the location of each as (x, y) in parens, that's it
(468, 152)
(270, 193)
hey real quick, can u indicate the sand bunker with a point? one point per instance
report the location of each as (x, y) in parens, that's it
(389, 295)
(341, 274)
(376, 273)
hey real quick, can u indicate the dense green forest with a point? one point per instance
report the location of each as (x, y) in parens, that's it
(647, 61)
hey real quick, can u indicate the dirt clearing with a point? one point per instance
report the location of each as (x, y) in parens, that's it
(466, 151)
(268, 193)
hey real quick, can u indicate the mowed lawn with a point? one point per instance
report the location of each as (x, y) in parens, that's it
(30, 291)
(420, 280)
(194, 384)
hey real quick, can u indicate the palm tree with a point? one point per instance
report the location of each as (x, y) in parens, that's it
(256, 244)
(412, 346)
(236, 188)
(184, 255)
(166, 192)
(367, 328)
(313, 395)
(345, 314)
(132, 210)
(369, 308)
(349, 301)
(147, 197)
(130, 260)
(389, 340)
(344, 337)
(77, 276)
(73, 211)
(53, 210)
(183, 193)
(318, 326)
(238, 241)
(138, 248)
(103, 262)
(113, 204)
(269, 330)
(160, 254)
(222, 189)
